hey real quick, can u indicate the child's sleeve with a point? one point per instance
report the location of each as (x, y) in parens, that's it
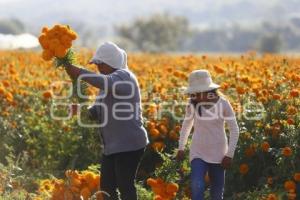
(230, 119)
(187, 125)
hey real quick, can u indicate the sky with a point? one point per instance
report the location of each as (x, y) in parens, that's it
(200, 13)
(102, 16)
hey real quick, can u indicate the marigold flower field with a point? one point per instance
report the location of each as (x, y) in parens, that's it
(45, 158)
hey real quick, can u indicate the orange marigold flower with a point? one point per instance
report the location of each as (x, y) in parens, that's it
(173, 135)
(72, 35)
(263, 99)
(294, 93)
(158, 197)
(218, 69)
(291, 195)
(42, 37)
(154, 133)
(291, 110)
(158, 146)
(60, 51)
(9, 97)
(85, 193)
(1, 91)
(172, 187)
(224, 86)
(289, 185)
(240, 90)
(53, 44)
(244, 168)
(47, 55)
(297, 176)
(150, 125)
(65, 39)
(5, 83)
(151, 182)
(47, 95)
(265, 146)
(290, 121)
(272, 197)
(276, 96)
(287, 151)
(177, 73)
(45, 29)
(163, 129)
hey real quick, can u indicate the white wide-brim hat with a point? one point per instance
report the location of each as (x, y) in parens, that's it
(200, 81)
(110, 54)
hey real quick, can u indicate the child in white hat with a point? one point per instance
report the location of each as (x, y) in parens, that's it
(207, 111)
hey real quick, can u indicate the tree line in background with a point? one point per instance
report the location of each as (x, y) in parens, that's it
(164, 32)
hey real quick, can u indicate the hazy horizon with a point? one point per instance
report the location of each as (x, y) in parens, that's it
(204, 13)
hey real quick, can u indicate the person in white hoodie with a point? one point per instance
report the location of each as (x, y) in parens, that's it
(123, 134)
(207, 111)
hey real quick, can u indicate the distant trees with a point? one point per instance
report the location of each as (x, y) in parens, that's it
(162, 32)
(11, 26)
(158, 33)
(169, 33)
(271, 43)
(237, 39)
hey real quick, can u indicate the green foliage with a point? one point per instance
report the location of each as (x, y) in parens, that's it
(158, 33)
(50, 145)
(143, 193)
(94, 168)
(258, 194)
(77, 87)
(168, 170)
(14, 181)
(69, 58)
(81, 89)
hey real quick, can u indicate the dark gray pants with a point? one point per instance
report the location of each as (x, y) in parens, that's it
(118, 171)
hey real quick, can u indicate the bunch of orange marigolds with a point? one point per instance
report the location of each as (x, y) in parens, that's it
(77, 185)
(162, 190)
(56, 41)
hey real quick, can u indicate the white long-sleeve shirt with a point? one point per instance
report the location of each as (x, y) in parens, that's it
(209, 140)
